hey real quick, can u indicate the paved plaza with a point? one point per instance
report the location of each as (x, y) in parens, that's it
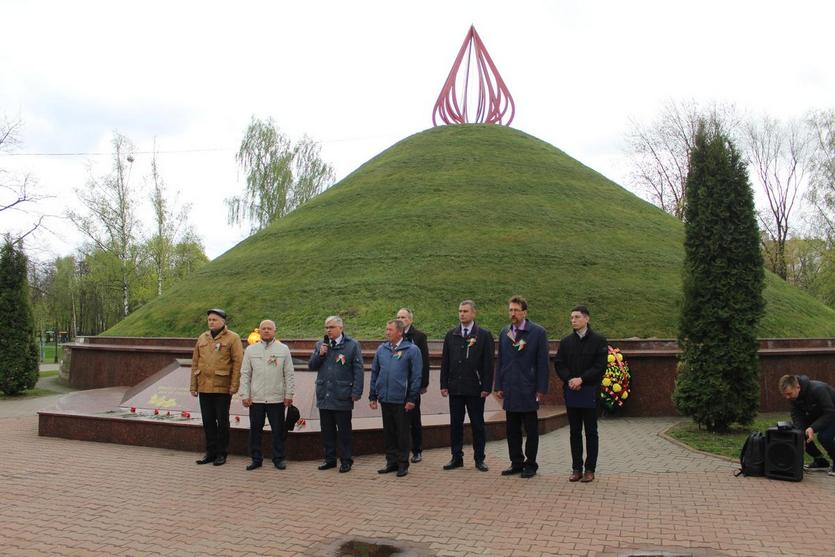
(651, 497)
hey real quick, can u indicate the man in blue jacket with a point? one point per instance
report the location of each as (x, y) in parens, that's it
(521, 383)
(395, 384)
(338, 360)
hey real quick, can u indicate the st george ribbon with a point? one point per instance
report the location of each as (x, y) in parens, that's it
(493, 102)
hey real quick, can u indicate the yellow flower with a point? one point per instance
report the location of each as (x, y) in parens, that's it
(606, 381)
(611, 359)
(624, 395)
(620, 357)
(616, 388)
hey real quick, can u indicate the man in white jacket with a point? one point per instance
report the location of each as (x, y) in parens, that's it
(267, 385)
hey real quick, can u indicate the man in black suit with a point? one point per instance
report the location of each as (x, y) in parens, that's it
(467, 379)
(418, 338)
(580, 363)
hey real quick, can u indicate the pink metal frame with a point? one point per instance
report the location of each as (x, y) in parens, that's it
(494, 100)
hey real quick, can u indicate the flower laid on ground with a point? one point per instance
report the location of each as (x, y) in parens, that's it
(133, 409)
(300, 424)
(237, 419)
(185, 414)
(616, 384)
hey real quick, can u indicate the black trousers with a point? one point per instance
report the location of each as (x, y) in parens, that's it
(275, 413)
(336, 427)
(474, 406)
(396, 433)
(416, 427)
(578, 420)
(514, 422)
(214, 409)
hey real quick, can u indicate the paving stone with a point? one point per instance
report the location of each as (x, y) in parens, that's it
(76, 498)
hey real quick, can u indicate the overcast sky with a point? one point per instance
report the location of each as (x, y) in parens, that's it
(359, 76)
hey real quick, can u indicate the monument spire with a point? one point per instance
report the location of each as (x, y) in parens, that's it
(493, 102)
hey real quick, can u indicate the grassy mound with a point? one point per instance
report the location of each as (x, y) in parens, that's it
(455, 212)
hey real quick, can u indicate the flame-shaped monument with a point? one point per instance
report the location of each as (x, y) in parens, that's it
(494, 100)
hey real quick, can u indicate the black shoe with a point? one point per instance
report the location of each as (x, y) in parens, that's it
(402, 471)
(344, 467)
(327, 465)
(205, 460)
(388, 469)
(817, 465)
(479, 464)
(454, 463)
(417, 457)
(280, 464)
(529, 472)
(253, 465)
(511, 471)
(220, 460)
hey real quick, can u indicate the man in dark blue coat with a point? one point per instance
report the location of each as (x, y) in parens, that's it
(580, 363)
(395, 384)
(521, 383)
(467, 379)
(338, 360)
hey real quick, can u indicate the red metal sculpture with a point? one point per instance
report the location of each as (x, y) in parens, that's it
(494, 100)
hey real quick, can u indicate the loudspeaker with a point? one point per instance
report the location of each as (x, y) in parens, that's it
(784, 454)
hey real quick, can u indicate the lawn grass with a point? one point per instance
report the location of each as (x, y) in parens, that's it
(455, 212)
(725, 444)
(48, 353)
(48, 373)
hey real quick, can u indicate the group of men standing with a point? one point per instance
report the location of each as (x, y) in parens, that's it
(263, 375)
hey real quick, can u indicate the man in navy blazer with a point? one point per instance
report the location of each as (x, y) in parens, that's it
(580, 363)
(521, 383)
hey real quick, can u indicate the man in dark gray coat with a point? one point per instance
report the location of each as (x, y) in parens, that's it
(522, 382)
(813, 411)
(467, 379)
(338, 360)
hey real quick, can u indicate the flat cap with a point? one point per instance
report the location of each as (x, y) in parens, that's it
(217, 311)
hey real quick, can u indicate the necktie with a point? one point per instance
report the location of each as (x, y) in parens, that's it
(466, 332)
(333, 343)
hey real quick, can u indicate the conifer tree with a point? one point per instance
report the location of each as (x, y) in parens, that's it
(18, 351)
(718, 381)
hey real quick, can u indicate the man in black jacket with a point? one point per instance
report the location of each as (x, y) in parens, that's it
(467, 379)
(418, 338)
(813, 411)
(580, 363)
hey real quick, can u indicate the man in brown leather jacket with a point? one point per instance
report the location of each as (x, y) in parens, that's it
(215, 377)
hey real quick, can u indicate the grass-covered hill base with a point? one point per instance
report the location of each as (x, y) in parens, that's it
(455, 212)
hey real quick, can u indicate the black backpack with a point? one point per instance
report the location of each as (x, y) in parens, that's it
(752, 456)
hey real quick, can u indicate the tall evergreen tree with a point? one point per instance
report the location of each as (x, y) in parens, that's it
(18, 351)
(718, 381)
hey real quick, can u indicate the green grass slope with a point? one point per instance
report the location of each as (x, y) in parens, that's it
(455, 212)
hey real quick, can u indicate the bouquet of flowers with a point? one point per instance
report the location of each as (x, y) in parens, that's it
(616, 384)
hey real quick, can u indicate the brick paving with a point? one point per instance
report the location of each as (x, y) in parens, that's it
(63, 497)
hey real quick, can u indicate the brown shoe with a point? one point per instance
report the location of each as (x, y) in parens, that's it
(575, 476)
(588, 477)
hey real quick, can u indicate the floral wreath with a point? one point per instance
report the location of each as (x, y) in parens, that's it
(616, 384)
